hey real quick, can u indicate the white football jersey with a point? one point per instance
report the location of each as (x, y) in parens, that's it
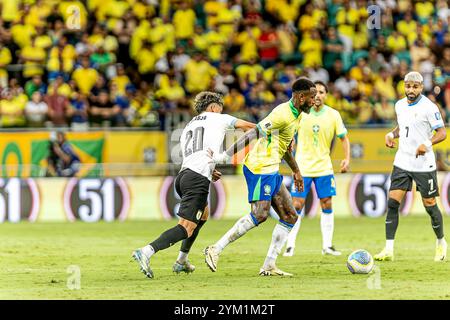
(416, 121)
(203, 132)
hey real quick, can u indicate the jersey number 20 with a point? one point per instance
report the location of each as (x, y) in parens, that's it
(196, 137)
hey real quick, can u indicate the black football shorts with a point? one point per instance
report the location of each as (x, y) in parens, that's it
(426, 182)
(193, 188)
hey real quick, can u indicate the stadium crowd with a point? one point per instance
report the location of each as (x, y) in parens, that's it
(131, 62)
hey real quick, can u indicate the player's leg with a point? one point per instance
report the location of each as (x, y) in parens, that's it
(298, 199)
(194, 189)
(282, 203)
(326, 189)
(427, 185)
(182, 264)
(258, 196)
(327, 227)
(299, 203)
(259, 213)
(401, 182)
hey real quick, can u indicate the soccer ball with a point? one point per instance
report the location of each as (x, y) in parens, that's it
(360, 261)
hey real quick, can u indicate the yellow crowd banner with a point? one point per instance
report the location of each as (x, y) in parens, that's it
(154, 198)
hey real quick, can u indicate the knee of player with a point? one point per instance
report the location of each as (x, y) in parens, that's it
(298, 203)
(429, 202)
(188, 226)
(261, 217)
(325, 203)
(393, 204)
(291, 218)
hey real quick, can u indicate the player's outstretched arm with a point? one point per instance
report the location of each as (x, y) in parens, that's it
(389, 138)
(242, 142)
(440, 135)
(298, 179)
(346, 146)
(244, 125)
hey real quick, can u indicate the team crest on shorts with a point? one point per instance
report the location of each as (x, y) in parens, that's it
(267, 190)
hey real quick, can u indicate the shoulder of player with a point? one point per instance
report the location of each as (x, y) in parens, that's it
(430, 104)
(401, 102)
(331, 110)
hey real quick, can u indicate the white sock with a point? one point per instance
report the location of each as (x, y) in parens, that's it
(182, 257)
(292, 237)
(279, 237)
(327, 227)
(440, 241)
(241, 227)
(390, 245)
(148, 251)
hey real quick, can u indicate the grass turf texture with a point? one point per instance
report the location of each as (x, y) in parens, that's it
(34, 259)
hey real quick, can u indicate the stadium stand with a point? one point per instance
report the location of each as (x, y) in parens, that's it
(137, 63)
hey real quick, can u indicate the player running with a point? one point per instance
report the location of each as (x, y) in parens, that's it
(417, 118)
(204, 132)
(264, 183)
(315, 136)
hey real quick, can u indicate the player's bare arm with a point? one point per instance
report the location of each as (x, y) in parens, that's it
(346, 146)
(242, 142)
(389, 138)
(298, 179)
(244, 125)
(440, 135)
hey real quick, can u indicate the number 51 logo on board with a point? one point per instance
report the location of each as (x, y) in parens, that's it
(92, 200)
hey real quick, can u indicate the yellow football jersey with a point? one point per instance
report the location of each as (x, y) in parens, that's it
(278, 130)
(315, 135)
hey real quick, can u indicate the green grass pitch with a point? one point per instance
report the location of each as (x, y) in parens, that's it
(34, 259)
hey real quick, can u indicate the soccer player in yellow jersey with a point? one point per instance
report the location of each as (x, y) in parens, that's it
(315, 136)
(264, 183)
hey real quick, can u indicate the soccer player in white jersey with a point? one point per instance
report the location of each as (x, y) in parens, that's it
(204, 132)
(316, 133)
(417, 118)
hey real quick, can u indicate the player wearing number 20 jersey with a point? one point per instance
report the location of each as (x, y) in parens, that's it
(417, 118)
(203, 134)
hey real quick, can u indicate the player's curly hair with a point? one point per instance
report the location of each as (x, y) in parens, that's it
(205, 98)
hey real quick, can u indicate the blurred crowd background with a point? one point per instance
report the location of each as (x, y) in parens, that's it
(134, 63)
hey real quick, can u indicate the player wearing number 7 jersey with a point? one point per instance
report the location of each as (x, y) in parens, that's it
(417, 118)
(204, 132)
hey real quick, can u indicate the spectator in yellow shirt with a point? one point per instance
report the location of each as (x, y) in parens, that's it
(406, 25)
(34, 58)
(22, 33)
(384, 84)
(184, 21)
(249, 73)
(396, 42)
(11, 110)
(43, 40)
(311, 49)
(146, 61)
(121, 79)
(85, 76)
(234, 101)
(424, 10)
(10, 11)
(306, 22)
(198, 73)
(5, 59)
(61, 59)
(248, 42)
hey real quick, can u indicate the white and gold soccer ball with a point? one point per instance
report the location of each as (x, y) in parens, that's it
(360, 261)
